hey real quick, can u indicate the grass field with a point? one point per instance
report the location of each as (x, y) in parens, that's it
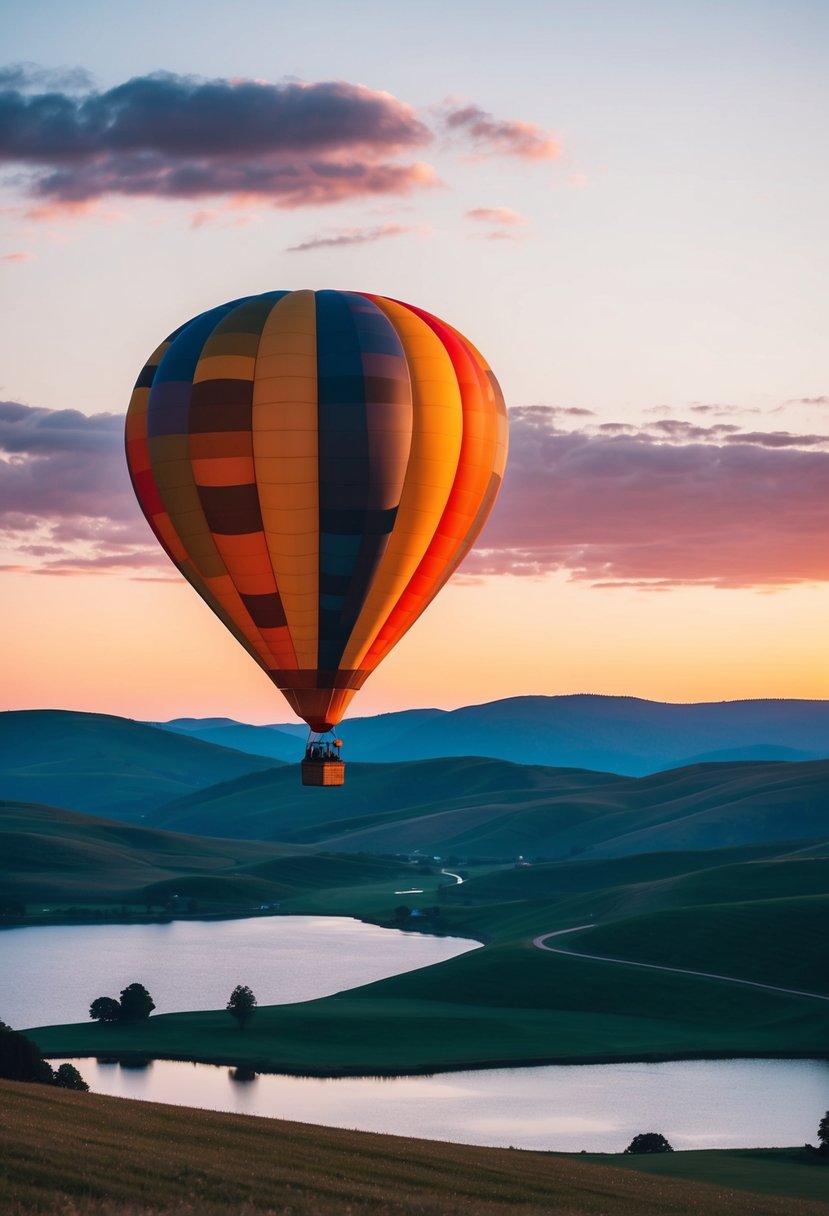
(64, 858)
(507, 1003)
(66, 1154)
(758, 912)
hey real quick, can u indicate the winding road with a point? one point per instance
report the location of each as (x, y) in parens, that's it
(543, 938)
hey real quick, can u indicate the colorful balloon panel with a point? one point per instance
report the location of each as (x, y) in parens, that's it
(316, 464)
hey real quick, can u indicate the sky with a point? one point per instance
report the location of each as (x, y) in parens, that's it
(623, 205)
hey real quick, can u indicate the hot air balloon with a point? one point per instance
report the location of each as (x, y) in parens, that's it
(316, 464)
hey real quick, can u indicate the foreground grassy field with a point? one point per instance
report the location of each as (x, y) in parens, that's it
(64, 1153)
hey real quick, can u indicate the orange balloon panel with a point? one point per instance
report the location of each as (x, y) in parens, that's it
(316, 464)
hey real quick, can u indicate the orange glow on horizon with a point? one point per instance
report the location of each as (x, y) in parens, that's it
(153, 651)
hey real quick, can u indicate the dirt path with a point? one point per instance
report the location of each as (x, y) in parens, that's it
(543, 938)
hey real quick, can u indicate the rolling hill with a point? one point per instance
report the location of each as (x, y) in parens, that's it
(474, 807)
(107, 765)
(63, 857)
(618, 734)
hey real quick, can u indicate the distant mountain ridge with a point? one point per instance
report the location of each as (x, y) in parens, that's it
(624, 735)
(463, 805)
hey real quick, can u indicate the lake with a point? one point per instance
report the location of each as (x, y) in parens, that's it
(597, 1107)
(52, 973)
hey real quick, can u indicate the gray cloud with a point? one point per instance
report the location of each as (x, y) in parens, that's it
(617, 506)
(65, 496)
(181, 137)
(27, 76)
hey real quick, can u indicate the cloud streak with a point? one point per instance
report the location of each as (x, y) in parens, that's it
(351, 236)
(178, 137)
(496, 215)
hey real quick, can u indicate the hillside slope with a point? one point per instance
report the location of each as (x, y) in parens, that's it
(69, 858)
(269, 1165)
(102, 764)
(471, 806)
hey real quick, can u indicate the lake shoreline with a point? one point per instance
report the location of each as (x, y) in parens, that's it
(426, 928)
(136, 1059)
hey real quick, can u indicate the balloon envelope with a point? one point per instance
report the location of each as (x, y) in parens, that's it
(316, 464)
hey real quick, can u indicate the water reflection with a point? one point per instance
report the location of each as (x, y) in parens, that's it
(242, 1074)
(596, 1108)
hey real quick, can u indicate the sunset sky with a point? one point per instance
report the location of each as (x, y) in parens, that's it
(624, 205)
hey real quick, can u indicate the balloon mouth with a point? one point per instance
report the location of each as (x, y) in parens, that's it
(319, 725)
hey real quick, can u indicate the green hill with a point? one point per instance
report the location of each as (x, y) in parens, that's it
(64, 857)
(513, 1003)
(107, 765)
(275, 805)
(474, 807)
(774, 940)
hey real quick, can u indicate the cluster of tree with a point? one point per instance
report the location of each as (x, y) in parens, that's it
(20, 1060)
(135, 1005)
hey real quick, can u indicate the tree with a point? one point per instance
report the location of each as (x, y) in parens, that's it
(136, 1003)
(105, 1009)
(823, 1134)
(241, 1004)
(68, 1077)
(649, 1142)
(20, 1059)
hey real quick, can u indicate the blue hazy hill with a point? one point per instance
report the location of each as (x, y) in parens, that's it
(102, 764)
(617, 734)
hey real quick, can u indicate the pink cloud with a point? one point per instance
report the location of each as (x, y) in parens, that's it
(491, 136)
(496, 215)
(619, 507)
(16, 257)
